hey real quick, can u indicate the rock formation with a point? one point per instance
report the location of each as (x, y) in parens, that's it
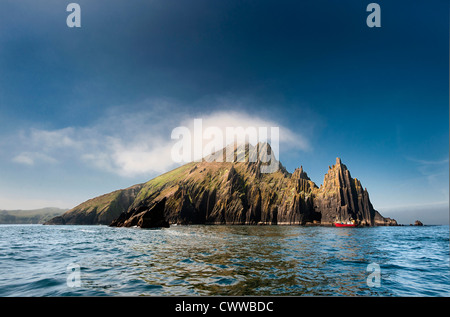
(235, 192)
(342, 198)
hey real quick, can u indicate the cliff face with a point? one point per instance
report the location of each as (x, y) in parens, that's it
(143, 216)
(237, 193)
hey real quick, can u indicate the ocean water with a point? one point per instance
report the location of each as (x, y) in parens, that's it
(37, 260)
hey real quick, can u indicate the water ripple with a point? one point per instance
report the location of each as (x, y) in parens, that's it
(224, 260)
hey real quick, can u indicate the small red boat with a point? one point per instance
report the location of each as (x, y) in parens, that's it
(337, 224)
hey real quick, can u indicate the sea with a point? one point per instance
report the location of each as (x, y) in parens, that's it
(40, 260)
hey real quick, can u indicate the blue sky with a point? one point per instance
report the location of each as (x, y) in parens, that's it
(86, 111)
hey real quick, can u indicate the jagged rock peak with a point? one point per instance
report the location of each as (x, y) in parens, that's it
(300, 174)
(339, 165)
(338, 176)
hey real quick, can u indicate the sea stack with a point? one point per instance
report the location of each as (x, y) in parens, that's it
(342, 198)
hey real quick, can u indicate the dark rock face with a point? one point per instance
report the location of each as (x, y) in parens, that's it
(58, 220)
(143, 216)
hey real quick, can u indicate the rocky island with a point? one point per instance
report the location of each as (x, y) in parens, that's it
(232, 193)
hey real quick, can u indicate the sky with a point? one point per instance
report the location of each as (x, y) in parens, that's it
(85, 111)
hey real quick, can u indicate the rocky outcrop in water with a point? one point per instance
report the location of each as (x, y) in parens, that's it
(342, 198)
(236, 192)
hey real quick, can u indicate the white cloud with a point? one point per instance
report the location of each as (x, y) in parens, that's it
(223, 119)
(62, 138)
(137, 159)
(24, 158)
(134, 142)
(30, 158)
